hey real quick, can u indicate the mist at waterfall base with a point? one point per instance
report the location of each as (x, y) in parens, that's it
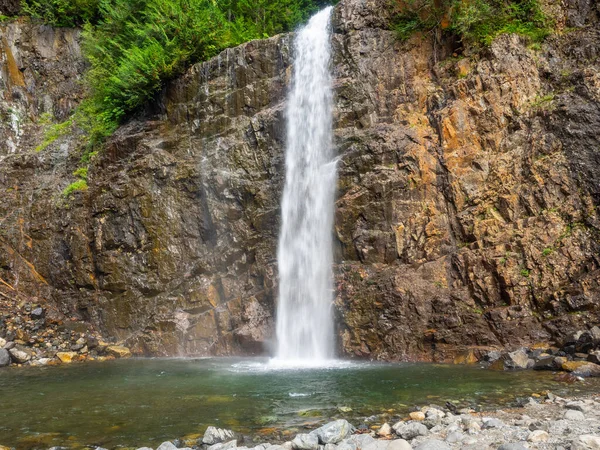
(304, 319)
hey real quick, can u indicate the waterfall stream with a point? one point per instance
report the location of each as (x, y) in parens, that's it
(304, 317)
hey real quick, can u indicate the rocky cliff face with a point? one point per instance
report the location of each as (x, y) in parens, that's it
(467, 211)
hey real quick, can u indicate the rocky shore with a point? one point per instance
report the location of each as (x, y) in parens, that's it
(39, 336)
(548, 422)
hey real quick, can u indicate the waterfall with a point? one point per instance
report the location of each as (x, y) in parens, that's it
(304, 256)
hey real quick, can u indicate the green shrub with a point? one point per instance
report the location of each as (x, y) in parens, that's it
(62, 13)
(476, 22)
(79, 185)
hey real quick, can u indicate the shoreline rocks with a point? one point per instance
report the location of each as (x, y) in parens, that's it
(33, 335)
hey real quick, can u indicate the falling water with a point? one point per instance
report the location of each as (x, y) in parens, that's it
(304, 319)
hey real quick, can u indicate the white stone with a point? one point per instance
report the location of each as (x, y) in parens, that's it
(385, 430)
(538, 436)
(572, 414)
(166, 446)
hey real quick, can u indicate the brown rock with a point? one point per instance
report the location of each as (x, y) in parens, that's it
(118, 351)
(67, 357)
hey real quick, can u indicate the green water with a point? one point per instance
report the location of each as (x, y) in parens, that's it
(146, 401)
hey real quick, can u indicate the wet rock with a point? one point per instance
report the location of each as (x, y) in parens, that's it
(334, 432)
(118, 351)
(594, 357)
(410, 430)
(214, 435)
(433, 444)
(66, 357)
(4, 357)
(546, 363)
(305, 442)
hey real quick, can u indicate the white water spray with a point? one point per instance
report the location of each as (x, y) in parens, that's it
(304, 256)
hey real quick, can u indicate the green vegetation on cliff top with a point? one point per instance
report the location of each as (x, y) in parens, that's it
(135, 46)
(475, 22)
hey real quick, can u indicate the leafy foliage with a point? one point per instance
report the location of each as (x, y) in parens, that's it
(62, 13)
(477, 22)
(139, 44)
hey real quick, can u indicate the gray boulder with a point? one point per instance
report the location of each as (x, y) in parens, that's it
(572, 414)
(433, 444)
(334, 432)
(214, 435)
(410, 430)
(19, 355)
(305, 441)
(4, 358)
(358, 441)
(399, 444)
(223, 445)
(167, 446)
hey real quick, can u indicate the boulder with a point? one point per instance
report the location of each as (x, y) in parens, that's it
(167, 446)
(399, 444)
(214, 435)
(19, 355)
(417, 415)
(594, 357)
(572, 414)
(66, 357)
(516, 360)
(118, 351)
(538, 436)
(305, 441)
(546, 363)
(4, 357)
(410, 430)
(225, 446)
(385, 430)
(334, 432)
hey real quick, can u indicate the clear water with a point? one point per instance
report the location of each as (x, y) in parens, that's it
(144, 402)
(304, 256)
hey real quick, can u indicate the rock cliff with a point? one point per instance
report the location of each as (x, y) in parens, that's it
(467, 209)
